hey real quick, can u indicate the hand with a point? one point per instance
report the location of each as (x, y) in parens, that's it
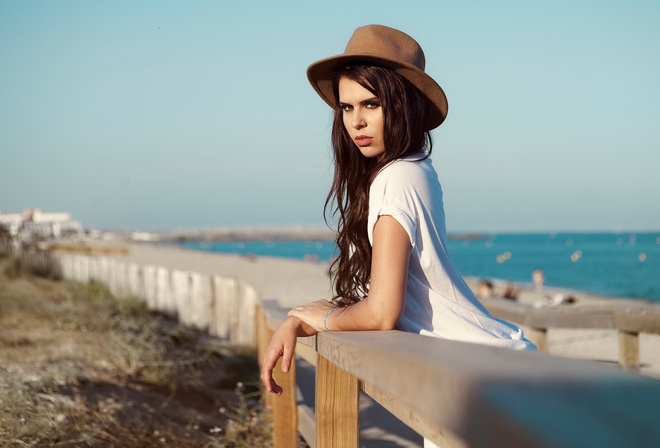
(282, 345)
(313, 313)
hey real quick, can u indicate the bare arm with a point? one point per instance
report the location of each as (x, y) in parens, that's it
(380, 310)
(383, 307)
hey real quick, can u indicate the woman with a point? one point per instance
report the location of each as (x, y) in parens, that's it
(393, 269)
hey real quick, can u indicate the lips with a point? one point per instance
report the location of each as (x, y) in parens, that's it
(363, 140)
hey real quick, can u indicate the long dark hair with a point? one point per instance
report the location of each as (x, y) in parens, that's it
(404, 109)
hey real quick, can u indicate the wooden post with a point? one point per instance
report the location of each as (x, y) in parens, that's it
(539, 336)
(629, 349)
(263, 337)
(283, 409)
(337, 395)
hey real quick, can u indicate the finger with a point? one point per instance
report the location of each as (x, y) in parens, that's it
(293, 313)
(270, 384)
(266, 378)
(270, 360)
(287, 358)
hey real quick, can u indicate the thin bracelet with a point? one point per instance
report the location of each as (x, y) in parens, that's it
(325, 319)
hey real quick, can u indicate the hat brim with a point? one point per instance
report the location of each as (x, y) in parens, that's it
(320, 75)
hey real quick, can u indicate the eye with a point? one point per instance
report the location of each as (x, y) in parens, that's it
(372, 105)
(346, 107)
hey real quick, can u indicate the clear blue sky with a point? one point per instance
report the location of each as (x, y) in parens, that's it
(170, 115)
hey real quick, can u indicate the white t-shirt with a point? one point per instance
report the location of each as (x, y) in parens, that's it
(438, 301)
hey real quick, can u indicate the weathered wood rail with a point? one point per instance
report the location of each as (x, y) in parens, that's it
(458, 394)
(630, 320)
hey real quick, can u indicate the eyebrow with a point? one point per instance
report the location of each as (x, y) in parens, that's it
(365, 101)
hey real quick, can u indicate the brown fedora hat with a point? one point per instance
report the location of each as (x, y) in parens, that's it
(385, 47)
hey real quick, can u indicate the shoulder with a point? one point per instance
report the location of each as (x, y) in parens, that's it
(409, 171)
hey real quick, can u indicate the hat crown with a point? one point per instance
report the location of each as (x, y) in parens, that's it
(385, 42)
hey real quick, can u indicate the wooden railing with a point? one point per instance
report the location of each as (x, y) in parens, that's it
(628, 319)
(459, 394)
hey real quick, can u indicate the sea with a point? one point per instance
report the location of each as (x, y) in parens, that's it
(618, 265)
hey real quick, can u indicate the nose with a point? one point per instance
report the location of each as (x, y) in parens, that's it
(357, 120)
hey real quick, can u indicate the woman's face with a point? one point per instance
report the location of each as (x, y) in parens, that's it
(363, 117)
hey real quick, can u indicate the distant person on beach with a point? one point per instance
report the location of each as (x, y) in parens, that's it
(538, 279)
(561, 299)
(484, 289)
(393, 270)
(510, 291)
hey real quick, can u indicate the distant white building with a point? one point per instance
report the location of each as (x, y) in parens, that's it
(37, 223)
(39, 216)
(12, 222)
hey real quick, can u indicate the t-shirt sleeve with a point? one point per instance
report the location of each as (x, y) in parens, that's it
(390, 196)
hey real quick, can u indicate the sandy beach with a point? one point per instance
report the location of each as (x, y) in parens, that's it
(289, 281)
(292, 282)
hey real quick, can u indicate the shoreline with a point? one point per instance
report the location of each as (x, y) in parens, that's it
(528, 291)
(144, 249)
(547, 290)
(608, 268)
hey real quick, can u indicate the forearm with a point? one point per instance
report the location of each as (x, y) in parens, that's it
(383, 307)
(367, 314)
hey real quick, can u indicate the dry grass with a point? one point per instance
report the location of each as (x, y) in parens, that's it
(81, 368)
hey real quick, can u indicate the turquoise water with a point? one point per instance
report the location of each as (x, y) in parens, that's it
(610, 264)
